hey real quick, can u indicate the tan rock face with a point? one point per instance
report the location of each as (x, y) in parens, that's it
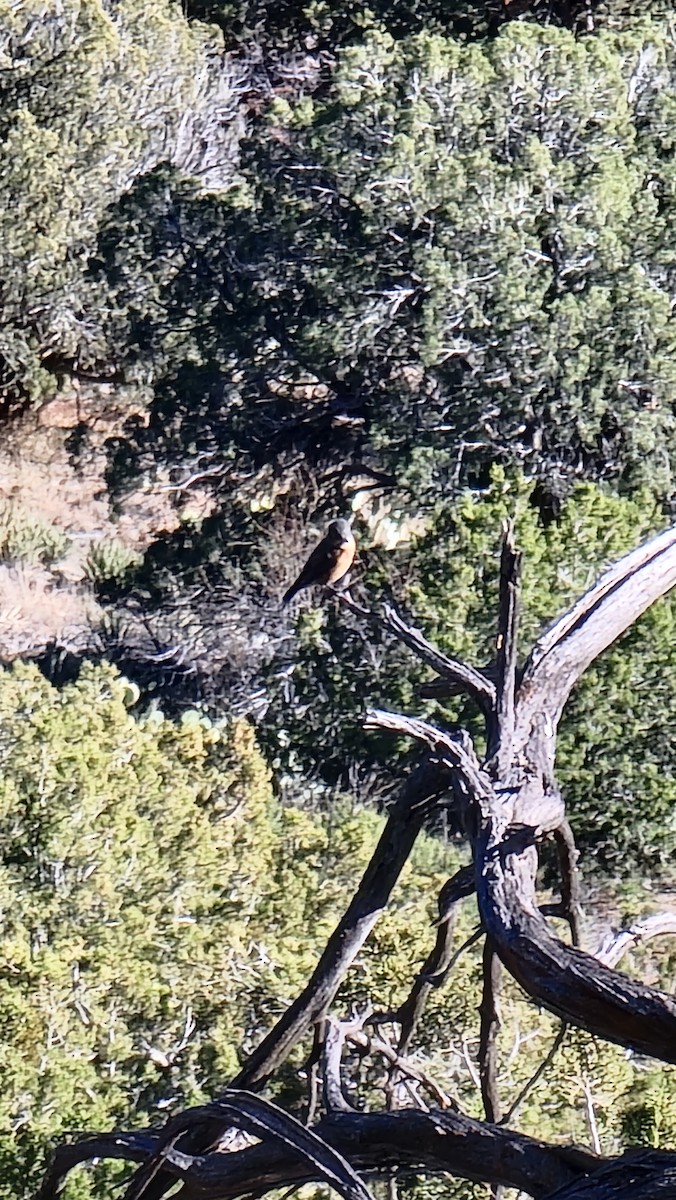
(63, 412)
(388, 527)
(36, 610)
(102, 407)
(42, 483)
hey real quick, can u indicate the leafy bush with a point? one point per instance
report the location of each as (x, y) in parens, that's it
(29, 539)
(93, 97)
(109, 561)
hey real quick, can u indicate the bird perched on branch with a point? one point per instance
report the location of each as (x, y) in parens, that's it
(329, 562)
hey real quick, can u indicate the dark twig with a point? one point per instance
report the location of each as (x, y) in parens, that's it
(312, 1067)
(403, 825)
(570, 879)
(376, 1045)
(437, 963)
(433, 969)
(463, 677)
(500, 729)
(458, 887)
(490, 1024)
(440, 978)
(537, 1075)
(334, 1041)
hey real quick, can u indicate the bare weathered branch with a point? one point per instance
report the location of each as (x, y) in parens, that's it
(264, 1121)
(454, 751)
(500, 729)
(405, 1066)
(403, 825)
(436, 965)
(570, 880)
(571, 984)
(446, 689)
(403, 1139)
(615, 945)
(488, 1032)
(459, 675)
(334, 1041)
(472, 681)
(132, 1147)
(594, 622)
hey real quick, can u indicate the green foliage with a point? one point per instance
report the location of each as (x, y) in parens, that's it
(440, 250)
(514, 253)
(28, 539)
(125, 844)
(650, 1116)
(110, 560)
(159, 909)
(94, 95)
(453, 252)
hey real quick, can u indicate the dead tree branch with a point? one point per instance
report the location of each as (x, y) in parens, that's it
(536, 1076)
(570, 880)
(400, 1140)
(646, 1175)
(593, 623)
(500, 726)
(336, 1035)
(420, 793)
(262, 1120)
(488, 1033)
(437, 964)
(524, 800)
(507, 804)
(405, 1066)
(615, 945)
(453, 671)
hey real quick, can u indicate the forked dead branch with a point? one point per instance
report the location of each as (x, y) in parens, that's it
(508, 805)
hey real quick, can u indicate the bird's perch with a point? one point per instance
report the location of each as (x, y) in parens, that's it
(507, 804)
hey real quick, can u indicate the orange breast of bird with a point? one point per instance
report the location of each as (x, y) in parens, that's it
(342, 559)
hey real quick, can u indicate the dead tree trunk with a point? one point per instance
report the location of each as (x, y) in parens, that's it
(509, 804)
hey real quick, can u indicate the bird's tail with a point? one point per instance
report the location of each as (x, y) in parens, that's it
(288, 596)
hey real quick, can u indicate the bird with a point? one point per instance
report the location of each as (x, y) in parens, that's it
(329, 562)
